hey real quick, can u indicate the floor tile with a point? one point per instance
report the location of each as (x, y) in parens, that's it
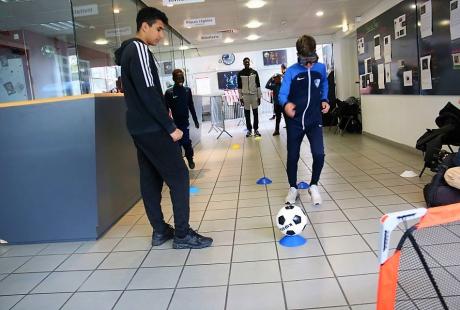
(7, 302)
(217, 225)
(335, 229)
(220, 237)
(203, 298)
(99, 246)
(305, 268)
(144, 299)
(10, 264)
(386, 200)
(353, 203)
(254, 252)
(157, 258)
(354, 264)
(255, 272)
(212, 215)
(253, 212)
(367, 226)
(25, 250)
(315, 293)
(356, 292)
(62, 282)
(212, 255)
(204, 275)
(326, 217)
(254, 235)
(118, 260)
(108, 280)
(61, 248)
(20, 283)
(363, 213)
(42, 301)
(311, 248)
(266, 296)
(82, 261)
(155, 278)
(344, 244)
(253, 222)
(134, 244)
(42, 263)
(92, 300)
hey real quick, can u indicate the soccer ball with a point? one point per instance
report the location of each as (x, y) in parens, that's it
(291, 220)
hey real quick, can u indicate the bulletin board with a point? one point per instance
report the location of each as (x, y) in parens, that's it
(439, 46)
(387, 52)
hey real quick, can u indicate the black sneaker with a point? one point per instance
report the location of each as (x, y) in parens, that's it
(257, 133)
(272, 118)
(192, 240)
(191, 163)
(159, 239)
(276, 133)
(248, 134)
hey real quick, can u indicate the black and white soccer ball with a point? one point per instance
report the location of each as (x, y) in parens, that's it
(291, 220)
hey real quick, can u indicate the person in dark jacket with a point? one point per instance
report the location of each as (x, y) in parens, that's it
(155, 135)
(303, 96)
(180, 101)
(274, 84)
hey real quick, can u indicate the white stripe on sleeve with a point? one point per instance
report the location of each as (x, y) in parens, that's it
(142, 62)
(147, 61)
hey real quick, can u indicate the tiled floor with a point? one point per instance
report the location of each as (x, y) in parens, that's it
(246, 268)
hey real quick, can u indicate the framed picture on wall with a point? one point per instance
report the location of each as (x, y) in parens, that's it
(227, 80)
(167, 67)
(275, 57)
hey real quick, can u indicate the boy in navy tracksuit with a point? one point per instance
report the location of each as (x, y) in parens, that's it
(180, 101)
(155, 135)
(274, 84)
(303, 96)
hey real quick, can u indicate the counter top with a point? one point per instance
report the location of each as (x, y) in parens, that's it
(56, 99)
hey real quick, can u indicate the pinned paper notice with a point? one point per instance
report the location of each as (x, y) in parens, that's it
(454, 20)
(388, 73)
(367, 65)
(400, 26)
(360, 46)
(387, 48)
(426, 19)
(377, 54)
(456, 61)
(381, 72)
(407, 75)
(408, 174)
(426, 72)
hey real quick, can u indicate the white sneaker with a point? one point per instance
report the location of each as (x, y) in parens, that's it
(315, 196)
(292, 195)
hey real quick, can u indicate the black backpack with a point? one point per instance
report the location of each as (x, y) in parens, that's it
(438, 192)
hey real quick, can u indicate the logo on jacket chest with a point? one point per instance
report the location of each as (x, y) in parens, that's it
(317, 82)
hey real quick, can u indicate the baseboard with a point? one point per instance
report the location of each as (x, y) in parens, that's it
(407, 148)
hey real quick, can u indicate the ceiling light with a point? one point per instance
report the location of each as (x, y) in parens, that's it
(254, 24)
(183, 47)
(252, 37)
(319, 13)
(345, 26)
(228, 40)
(413, 6)
(255, 4)
(116, 10)
(166, 43)
(169, 5)
(444, 22)
(101, 42)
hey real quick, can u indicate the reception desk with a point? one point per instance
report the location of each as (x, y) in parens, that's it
(68, 168)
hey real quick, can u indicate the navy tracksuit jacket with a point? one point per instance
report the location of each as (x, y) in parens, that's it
(306, 88)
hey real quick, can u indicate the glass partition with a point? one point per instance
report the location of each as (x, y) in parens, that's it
(52, 48)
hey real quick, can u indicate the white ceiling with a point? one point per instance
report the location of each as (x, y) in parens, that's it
(281, 18)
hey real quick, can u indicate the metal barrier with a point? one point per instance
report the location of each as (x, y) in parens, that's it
(218, 115)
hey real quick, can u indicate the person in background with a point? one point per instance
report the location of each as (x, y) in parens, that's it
(155, 135)
(180, 101)
(274, 84)
(303, 95)
(250, 94)
(283, 69)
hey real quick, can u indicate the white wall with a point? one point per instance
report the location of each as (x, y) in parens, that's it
(402, 119)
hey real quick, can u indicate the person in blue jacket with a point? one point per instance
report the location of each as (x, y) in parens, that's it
(180, 101)
(303, 96)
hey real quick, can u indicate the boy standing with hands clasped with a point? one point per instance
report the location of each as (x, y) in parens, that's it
(303, 96)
